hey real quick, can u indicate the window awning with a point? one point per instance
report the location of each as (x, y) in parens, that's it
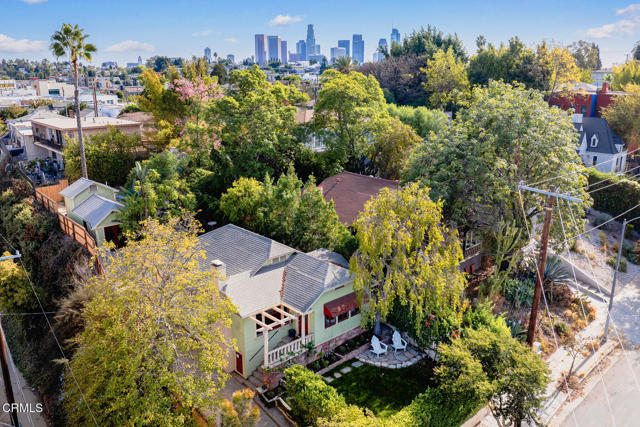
(341, 305)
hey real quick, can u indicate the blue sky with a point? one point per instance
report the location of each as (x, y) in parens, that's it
(122, 30)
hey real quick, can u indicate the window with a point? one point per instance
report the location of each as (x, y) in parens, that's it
(343, 316)
(595, 160)
(329, 321)
(594, 140)
(583, 110)
(354, 312)
(93, 188)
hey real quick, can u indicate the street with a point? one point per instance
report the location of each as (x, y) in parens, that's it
(622, 390)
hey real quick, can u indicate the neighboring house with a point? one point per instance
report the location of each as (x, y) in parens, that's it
(21, 133)
(599, 145)
(350, 191)
(94, 206)
(586, 99)
(305, 116)
(50, 135)
(285, 298)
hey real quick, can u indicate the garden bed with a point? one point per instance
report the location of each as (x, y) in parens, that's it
(270, 396)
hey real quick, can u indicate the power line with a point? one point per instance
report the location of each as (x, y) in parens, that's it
(53, 333)
(595, 228)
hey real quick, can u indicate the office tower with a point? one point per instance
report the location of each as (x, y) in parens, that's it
(273, 49)
(337, 52)
(357, 46)
(261, 49)
(231, 59)
(207, 53)
(344, 44)
(395, 36)
(301, 50)
(377, 55)
(283, 52)
(316, 49)
(311, 41)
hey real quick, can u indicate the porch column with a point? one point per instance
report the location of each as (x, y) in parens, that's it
(302, 327)
(265, 335)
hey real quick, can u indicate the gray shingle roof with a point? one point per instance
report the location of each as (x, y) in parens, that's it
(96, 208)
(607, 139)
(252, 286)
(79, 186)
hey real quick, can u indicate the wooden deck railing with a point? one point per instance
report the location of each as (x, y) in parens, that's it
(70, 227)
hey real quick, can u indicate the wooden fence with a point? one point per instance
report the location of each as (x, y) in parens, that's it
(72, 229)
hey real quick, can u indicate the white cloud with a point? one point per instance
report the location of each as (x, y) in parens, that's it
(282, 20)
(34, 1)
(201, 33)
(231, 40)
(9, 44)
(629, 10)
(130, 46)
(623, 26)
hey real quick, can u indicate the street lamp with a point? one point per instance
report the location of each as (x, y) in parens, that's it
(615, 275)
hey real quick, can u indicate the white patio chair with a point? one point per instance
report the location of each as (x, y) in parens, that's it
(379, 348)
(397, 342)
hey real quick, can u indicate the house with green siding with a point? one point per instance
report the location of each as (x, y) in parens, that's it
(94, 206)
(287, 300)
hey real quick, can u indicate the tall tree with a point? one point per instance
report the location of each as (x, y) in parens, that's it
(344, 64)
(405, 253)
(507, 135)
(421, 119)
(349, 108)
(635, 52)
(160, 344)
(625, 74)
(447, 81)
(624, 115)
(71, 40)
(558, 67)
(389, 150)
(587, 55)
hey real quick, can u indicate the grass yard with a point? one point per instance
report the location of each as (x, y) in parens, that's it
(384, 391)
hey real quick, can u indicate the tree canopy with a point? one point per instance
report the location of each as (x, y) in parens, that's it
(587, 55)
(507, 135)
(623, 115)
(406, 253)
(156, 332)
(447, 82)
(625, 74)
(421, 119)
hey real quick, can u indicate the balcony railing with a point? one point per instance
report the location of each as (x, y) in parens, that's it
(472, 250)
(48, 142)
(286, 352)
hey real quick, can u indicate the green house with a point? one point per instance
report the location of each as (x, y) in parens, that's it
(94, 206)
(285, 298)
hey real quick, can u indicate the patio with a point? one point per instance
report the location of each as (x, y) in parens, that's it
(393, 360)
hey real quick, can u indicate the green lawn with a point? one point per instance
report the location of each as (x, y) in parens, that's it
(384, 391)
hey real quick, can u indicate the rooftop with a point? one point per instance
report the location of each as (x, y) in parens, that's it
(79, 186)
(350, 191)
(68, 123)
(95, 209)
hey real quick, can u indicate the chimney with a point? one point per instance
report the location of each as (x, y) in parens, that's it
(220, 268)
(605, 87)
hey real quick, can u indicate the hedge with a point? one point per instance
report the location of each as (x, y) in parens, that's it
(618, 193)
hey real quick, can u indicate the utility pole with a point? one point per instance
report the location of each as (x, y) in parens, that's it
(95, 100)
(542, 260)
(615, 276)
(6, 375)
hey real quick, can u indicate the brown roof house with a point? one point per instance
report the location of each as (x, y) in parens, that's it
(350, 191)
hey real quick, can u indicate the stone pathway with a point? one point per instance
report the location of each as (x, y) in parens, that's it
(393, 360)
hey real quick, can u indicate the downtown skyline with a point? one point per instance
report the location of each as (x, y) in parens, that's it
(146, 30)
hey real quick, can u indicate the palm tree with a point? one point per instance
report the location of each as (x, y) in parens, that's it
(71, 40)
(344, 64)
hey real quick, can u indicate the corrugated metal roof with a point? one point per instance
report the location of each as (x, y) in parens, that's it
(96, 208)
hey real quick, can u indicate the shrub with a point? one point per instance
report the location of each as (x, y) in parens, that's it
(623, 263)
(621, 193)
(603, 240)
(561, 327)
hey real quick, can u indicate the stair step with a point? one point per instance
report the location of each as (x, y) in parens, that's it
(255, 381)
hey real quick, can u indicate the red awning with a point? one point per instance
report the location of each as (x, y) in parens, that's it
(341, 305)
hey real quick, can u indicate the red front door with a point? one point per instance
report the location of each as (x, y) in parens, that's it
(306, 325)
(239, 364)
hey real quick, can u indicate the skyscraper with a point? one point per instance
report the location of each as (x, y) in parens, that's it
(261, 49)
(273, 49)
(337, 52)
(207, 53)
(377, 56)
(395, 36)
(301, 50)
(311, 41)
(283, 52)
(344, 44)
(358, 48)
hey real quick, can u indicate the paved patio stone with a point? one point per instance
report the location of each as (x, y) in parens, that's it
(345, 370)
(328, 379)
(357, 364)
(337, 375)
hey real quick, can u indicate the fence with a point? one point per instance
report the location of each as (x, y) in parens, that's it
(68, 226)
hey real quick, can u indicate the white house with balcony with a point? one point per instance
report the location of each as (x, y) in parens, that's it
(600, 147)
